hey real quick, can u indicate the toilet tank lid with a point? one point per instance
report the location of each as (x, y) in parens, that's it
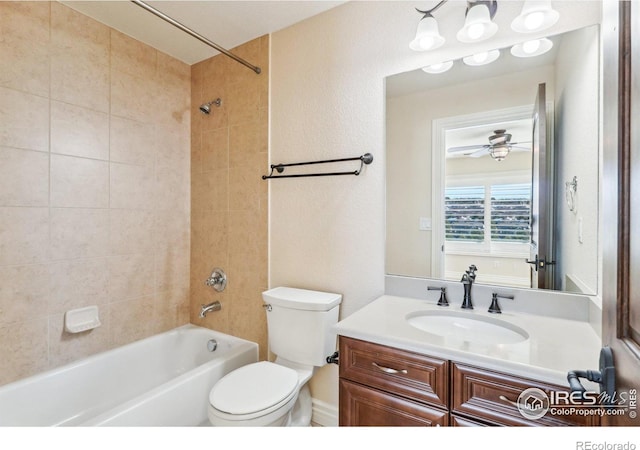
(304, 299)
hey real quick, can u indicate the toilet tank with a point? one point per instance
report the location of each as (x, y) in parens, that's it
(300, 324)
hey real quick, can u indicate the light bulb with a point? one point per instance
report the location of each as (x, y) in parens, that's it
(426, 42)
(534, 20)
(475, 31)
(438, 67)
(480, 57)
(531, 46)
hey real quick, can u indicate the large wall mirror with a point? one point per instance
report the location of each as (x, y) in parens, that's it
(467, 169)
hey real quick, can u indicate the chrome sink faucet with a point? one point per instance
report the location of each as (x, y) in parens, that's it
(467, 282)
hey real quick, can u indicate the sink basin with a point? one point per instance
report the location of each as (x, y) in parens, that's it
(467, 327)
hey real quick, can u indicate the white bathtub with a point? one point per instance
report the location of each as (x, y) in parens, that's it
(163, 380)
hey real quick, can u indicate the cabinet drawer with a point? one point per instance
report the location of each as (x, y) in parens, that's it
(407, 374)
(491, 396)
(363, 406)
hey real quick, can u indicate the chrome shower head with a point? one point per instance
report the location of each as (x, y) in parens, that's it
(206, 107)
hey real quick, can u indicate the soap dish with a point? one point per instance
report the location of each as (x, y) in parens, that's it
(81, 319)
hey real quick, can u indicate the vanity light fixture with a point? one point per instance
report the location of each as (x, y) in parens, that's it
(478, 24)
(536, 15)
(427, 35)
(480, 59)
(438, 67)
(531, 48)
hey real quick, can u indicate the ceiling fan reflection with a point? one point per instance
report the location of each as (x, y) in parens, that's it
(498, 148)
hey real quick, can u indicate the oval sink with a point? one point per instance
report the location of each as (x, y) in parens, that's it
(467, 327)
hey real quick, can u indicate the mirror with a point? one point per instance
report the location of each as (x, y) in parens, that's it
(431, 168)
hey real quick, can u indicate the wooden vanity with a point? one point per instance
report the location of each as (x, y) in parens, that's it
(387, 386)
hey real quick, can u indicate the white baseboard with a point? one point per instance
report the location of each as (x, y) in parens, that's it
(324, 414)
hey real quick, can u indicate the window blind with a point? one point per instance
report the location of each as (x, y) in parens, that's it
(510, 212)
(464, 213)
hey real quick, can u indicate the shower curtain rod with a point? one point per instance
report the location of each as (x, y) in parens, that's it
(199, 37)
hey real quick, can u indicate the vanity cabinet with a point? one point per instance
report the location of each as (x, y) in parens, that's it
(385, 386)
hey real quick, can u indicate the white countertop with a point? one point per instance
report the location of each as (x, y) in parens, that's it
(554, 346)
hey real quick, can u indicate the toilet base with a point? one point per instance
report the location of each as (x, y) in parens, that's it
(302, 409)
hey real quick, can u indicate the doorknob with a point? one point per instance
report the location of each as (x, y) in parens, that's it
(605, 377)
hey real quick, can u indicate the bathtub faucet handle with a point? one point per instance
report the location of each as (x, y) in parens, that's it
(217, 280)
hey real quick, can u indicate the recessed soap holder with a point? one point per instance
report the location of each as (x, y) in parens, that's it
(81, 319)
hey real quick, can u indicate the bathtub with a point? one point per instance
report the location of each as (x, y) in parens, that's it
(163, 380)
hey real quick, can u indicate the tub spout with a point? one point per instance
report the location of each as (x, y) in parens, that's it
(215, 306)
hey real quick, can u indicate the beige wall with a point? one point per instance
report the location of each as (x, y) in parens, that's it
(229, 197)
(94, 186)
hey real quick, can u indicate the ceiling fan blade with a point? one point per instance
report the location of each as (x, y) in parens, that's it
(467, 148)
(479, 153)
(520, 148)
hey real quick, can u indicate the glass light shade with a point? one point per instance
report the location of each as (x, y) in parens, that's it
(531, 48)
(438, 67)
(477, 25)
(427, 35)
(480, 59)
(499, 152)
(536, 15)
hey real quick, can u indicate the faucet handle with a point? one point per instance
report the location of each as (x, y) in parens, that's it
(495, 306)
(443, 294)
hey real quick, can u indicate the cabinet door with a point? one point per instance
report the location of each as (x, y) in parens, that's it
(363, 406)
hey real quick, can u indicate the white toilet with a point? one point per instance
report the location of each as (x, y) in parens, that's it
(266, 393)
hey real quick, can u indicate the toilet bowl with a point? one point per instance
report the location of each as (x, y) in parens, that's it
(276, 393)
(261, 394)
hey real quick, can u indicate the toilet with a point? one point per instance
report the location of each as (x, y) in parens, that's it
(276, 393)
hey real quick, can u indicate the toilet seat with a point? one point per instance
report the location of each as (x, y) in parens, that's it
(254, 390)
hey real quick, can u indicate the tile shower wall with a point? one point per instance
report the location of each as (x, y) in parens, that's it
(229, 197)
(94, 186)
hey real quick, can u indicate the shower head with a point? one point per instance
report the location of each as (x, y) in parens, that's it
(206, 107)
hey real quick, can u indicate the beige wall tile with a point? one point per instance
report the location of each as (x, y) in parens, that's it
(21, 21)
(79, 233)
(24, 120)
(248, 320)
(79, 35)
(132, 97)
(130, 320)
(77, 283)
(132, 187)
(173, 71)
(243, 103)
(245, 141)
(24, 291)
(248, 251)
(78, 80)
(131, 56)
(246, 183)
(132, 142)
(172, 149)
(131, 276)
(79, 131)
(79, 182)
(172, 188)
(210, 191)
(24, 349)
(24, 235)
(172, 267)
(131, 231)
(25, 67)
(215, 150)
(24, 178)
